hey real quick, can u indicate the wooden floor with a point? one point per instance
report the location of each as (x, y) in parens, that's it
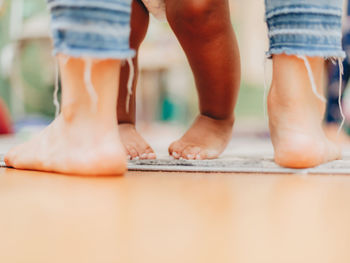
(172, 217)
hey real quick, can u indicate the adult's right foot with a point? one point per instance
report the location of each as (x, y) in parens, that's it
(296, 114)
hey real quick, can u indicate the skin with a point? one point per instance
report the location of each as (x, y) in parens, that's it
(333, 133)
(205, 33)
(91, 143)
(296, 114)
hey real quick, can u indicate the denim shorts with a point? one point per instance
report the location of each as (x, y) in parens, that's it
(91, 28)
(305, 27)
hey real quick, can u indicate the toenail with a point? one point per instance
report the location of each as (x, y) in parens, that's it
(190, 156)
(198, 157)
(175, 154)
(151, 155)
(137, 158)
(144, 156)
(129, 157)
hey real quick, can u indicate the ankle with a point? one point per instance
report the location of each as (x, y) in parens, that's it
(225, 120)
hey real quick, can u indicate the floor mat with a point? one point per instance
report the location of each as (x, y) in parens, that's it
(231, 165)
(236, 165)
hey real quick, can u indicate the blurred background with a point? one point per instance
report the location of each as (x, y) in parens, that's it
(166, 92)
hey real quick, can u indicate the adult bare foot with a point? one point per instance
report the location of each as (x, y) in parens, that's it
(135, 145)
(63, 147)
(296, 114)
(206, 139)
(84, 138)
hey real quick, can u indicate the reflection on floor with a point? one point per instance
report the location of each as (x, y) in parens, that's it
(163, 217)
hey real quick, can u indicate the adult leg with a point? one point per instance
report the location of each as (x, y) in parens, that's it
(302, 34)
(134, 144)
(205, 32)
(84, 138)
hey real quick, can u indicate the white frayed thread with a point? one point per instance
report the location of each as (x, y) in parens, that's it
(130, 83)
(55, 93)
(312, 79)
(341, 72)
(88, 83)
(64, 59)
(266, 88)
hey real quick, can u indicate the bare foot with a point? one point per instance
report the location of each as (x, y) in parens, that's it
(296, 114)
(63, 147)
(206, 139)
(135, 145)
(84, 138)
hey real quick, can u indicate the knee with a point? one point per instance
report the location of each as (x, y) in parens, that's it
(191, 14)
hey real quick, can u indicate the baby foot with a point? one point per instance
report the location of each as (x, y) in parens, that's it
(206, 139)
(135, 146)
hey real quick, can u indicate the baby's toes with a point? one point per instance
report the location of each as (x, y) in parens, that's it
(149, 154)
(131, 152)
(176, 149)
(191, 152)
(207, 154)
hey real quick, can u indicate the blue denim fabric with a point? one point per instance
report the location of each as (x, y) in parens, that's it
(91, 28)
(305, 27)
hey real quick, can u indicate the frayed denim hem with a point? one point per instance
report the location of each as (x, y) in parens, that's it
(121, 5)
(329, 54)
(95, 54)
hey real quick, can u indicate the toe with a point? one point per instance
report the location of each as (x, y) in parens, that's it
(146, 152)
(176, 149)
(152, 156)
(191, 152)
(131, 152)
(149, 153)
(11, 157)
(207, 155)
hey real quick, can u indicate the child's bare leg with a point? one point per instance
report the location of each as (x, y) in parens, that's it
(84, 138)
(135, 145)
(296, 114)
(205, 32)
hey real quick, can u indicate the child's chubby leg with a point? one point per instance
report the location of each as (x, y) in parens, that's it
(134, 144)
(296, 114)
(205, 33)
(84, 138)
